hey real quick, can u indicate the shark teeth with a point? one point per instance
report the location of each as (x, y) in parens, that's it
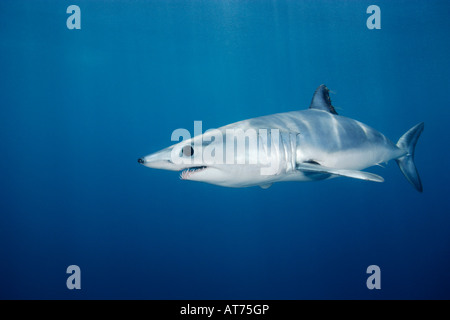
(190, 171)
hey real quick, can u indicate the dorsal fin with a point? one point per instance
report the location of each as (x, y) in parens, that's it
(321, 100)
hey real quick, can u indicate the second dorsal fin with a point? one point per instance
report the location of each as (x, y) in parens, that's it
(321, 100)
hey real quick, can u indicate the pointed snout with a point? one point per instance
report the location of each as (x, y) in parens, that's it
(160, 160)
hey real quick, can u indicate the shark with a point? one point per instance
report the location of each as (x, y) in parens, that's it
(305, 145)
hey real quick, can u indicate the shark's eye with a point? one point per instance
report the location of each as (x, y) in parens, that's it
(187, 151)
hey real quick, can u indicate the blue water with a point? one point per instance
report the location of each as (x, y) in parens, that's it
(78, 107)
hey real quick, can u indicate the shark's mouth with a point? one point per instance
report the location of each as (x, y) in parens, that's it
(187, 173)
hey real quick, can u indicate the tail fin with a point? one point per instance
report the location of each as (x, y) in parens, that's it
(406, 163)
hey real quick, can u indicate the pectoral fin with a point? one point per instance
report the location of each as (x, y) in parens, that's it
(266, 186)
(309, 167)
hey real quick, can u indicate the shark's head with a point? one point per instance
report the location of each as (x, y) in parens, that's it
(188, 157)
(203, 158)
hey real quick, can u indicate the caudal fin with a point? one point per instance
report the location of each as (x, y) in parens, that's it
(406, 163)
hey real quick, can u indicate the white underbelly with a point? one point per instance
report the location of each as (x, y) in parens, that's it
(354, 159)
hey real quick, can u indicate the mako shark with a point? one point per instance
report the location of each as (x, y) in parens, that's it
(307, 145)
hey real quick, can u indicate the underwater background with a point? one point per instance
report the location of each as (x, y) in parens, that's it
(79, 107)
